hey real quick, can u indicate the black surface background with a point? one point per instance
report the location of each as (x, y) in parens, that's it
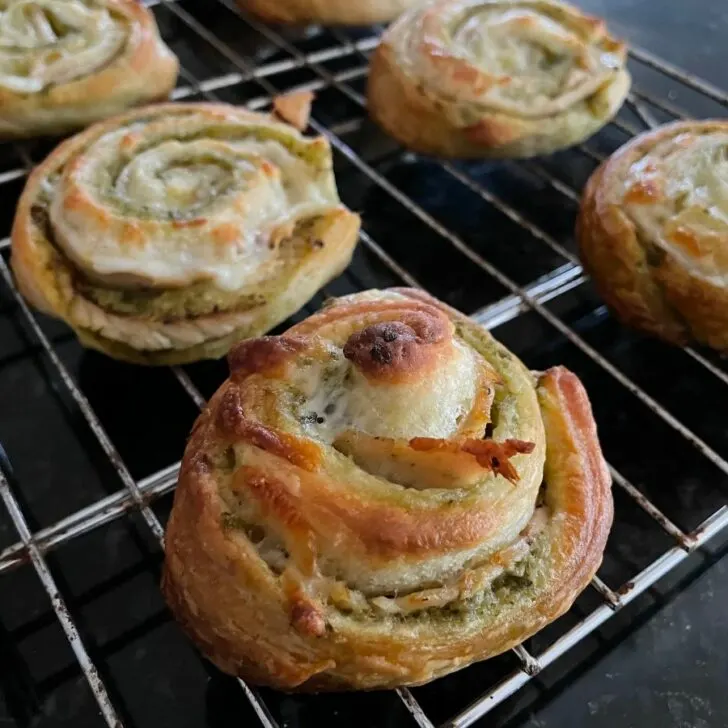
(662, 662)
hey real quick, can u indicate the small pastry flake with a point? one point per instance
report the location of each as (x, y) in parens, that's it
(653, 232)
(380, 496)
(170, 233)
(65, 64)
(495, 78)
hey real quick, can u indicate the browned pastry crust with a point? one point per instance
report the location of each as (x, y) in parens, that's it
(652, 232)
(330, 12)
(495, 78)
(294, 108)
(140, 71)
(168, 234)
(316, 542)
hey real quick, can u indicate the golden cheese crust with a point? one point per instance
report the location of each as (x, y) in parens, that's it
(170, 233)
(652, 232)
(330, 12)
(65, 64)
(380, 496)
(495, 78)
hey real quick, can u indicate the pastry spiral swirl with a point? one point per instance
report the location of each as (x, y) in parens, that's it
(331, 12)
(68, 63)
(653, 232)
(380, 496)
(495, 78)
(169, 233)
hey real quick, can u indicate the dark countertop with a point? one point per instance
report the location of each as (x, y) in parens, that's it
(671, 668)
(662, 662)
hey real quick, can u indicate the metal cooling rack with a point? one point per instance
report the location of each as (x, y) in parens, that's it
(335, 62)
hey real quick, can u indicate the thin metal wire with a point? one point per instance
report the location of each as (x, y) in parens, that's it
(85, 407)
(572, 195)
(609, 596)
(711, 527)
(458, 243)
(641, 111)
(688, 79)
(105, 443)
(91, 517)
(521, 299)
(661, 104)
(415, 709)
(59, 606)
(545, 313)
(526, 660)
(271, 69)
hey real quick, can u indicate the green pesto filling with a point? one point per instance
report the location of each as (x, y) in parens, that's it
(517, 585)
(314, 155)
(198, 299)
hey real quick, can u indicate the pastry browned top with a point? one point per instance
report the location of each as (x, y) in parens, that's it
(382, 461)
(179, 225)
(653, 231)
(67, 63)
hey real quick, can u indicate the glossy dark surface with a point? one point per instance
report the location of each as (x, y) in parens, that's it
(663, 661)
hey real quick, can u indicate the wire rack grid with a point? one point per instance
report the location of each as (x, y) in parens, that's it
(334, 63)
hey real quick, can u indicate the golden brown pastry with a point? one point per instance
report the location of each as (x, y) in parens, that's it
(170, 233)
(67, 63)
(381, 496)
(653, 232)
(330, 12)
(496, 78)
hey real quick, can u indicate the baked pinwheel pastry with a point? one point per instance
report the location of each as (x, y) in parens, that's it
(381, 496)
(170, 233)
(67, 63)
(495, 78)
(331, 12)
(653, 232)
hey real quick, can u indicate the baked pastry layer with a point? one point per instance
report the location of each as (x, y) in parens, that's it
(332, 12)
(653, 232)
(381, 496)
(169, 233)
(495, 78)
(65, 64)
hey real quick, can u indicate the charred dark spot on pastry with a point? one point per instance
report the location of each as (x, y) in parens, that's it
(391, 349)
(254, 533)
(312, 418)
(267, 355)
(654, 255)
(318, 243)
(381, 354)
(488, 431)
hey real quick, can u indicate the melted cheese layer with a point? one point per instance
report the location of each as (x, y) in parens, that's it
(45, 42)
(173, 199)
(529, 58)
(341, 398)
(677, 195)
